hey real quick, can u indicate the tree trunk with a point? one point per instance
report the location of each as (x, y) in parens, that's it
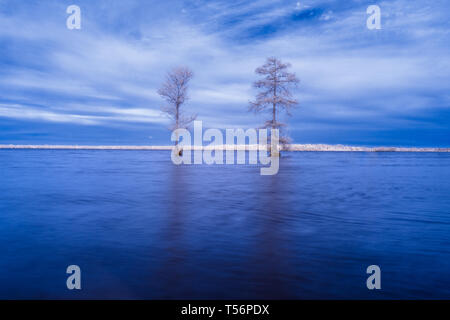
(177, 124)
(274, 115)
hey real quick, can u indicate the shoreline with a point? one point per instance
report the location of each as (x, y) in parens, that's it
(292, 147)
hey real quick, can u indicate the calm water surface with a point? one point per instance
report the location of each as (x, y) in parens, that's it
(140, 227)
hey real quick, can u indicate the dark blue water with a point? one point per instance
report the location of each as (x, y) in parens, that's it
(140, 227)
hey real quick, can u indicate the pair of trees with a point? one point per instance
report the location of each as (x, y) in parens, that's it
(274, 95)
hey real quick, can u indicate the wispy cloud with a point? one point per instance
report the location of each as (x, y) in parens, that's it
(84, 115)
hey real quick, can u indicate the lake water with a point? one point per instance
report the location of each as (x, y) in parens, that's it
(140, 227)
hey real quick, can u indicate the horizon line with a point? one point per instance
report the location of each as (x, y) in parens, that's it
(253, 147)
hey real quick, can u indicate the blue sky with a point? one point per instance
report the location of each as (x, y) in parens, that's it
(98, 85)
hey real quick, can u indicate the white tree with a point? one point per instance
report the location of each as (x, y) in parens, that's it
(275, 95)
(174, 92)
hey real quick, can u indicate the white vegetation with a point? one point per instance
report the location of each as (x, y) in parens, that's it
(291, 147)
(174, 92)
(275, 94)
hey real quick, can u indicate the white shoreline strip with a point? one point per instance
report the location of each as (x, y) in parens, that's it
(292, 147)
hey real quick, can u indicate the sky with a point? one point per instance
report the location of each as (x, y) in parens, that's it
(98, 85)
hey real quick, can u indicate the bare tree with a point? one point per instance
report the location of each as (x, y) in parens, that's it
(275, 95)
(174, 92)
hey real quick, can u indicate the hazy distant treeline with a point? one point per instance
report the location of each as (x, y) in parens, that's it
(291, 147)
